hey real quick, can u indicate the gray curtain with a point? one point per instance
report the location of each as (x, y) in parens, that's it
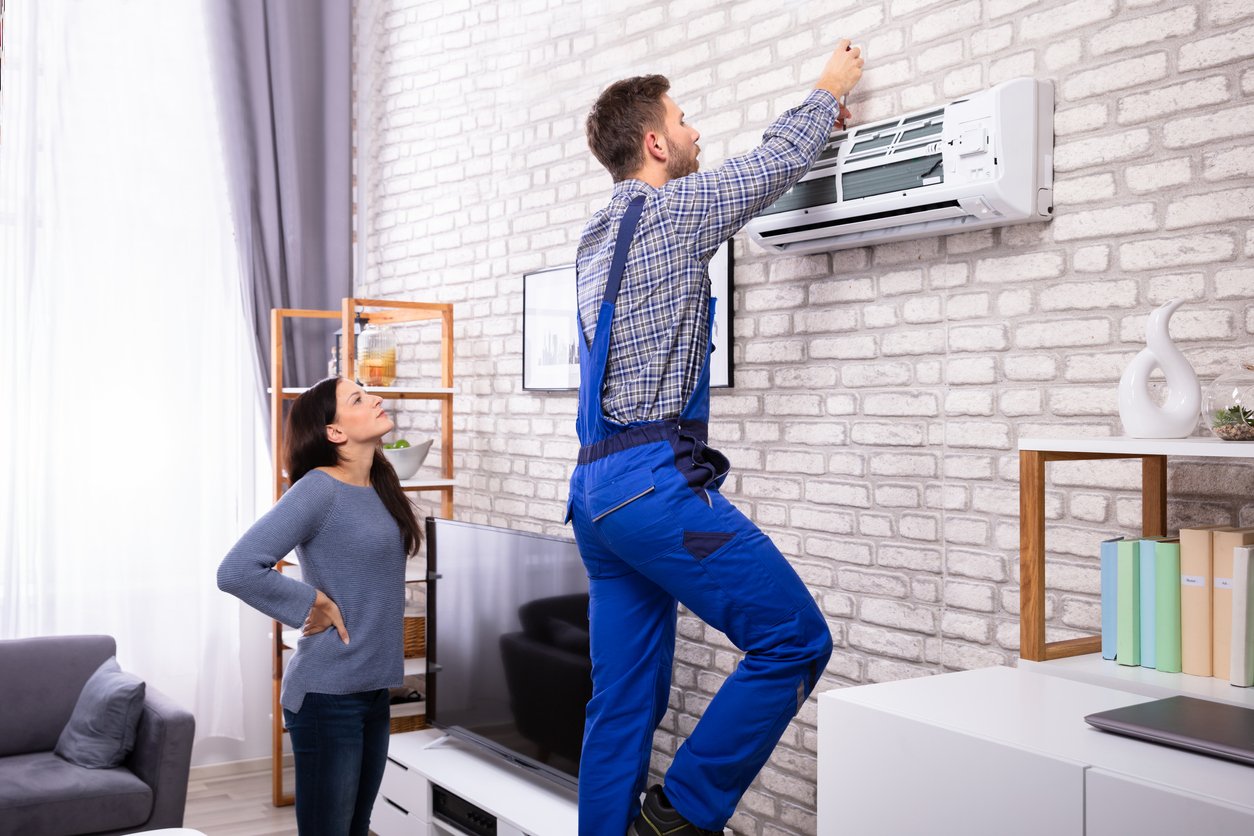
(282, 74)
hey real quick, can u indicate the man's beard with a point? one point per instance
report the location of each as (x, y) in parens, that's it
(681, 164)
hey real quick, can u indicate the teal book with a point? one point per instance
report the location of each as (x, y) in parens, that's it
(1110, 596)
(1167, 606)
(1128, 604)
(1145, 554)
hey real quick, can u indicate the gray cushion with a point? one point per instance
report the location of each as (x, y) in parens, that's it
(40, 793)
(101, 731)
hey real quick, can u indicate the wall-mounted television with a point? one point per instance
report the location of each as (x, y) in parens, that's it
(507, 644)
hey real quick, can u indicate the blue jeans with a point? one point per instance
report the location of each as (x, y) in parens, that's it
(340, 743)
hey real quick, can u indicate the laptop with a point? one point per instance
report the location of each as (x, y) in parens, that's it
(1212, 728)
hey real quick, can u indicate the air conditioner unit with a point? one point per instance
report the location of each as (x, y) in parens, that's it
(984, 160)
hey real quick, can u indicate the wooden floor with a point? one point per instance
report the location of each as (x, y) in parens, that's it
(237, 805)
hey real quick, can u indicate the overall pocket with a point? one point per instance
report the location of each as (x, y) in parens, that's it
(620, 492)
(632, 516)
(756, 577)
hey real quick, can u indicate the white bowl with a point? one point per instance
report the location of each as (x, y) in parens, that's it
(406, 460)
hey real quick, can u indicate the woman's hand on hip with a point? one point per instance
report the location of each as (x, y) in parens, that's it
(322, 615)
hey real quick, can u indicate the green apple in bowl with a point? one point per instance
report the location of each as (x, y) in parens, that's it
(405, 457)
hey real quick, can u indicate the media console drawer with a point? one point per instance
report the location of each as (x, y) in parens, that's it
(389, 819)
(403, 805)
(1118, 805)
(405, 786)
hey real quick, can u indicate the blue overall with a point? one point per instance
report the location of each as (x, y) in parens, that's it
(652, 529)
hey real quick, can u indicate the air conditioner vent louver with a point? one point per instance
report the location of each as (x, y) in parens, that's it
(893, 177)
(887, 213)
(983, 160)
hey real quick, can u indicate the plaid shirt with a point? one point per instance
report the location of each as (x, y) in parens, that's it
(661, 320)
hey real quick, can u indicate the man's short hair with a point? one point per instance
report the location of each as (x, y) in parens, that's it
(618, 121)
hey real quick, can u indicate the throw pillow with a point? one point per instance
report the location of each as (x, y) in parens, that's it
(101, 730)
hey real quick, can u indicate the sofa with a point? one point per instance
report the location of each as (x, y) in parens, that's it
(548, 672)
(43, 795)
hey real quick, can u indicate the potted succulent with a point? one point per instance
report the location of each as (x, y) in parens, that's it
(1228, 406)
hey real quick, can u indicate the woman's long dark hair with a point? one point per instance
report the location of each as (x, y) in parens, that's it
(308, 447)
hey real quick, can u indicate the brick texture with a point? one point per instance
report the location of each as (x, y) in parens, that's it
(880, 392)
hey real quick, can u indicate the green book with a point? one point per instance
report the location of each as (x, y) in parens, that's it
(1128, 604)
(1167, 609)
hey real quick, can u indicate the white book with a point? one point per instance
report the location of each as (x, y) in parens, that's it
(1241, 669)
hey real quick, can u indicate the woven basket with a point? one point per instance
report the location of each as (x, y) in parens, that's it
(415, 634)
(412, 723)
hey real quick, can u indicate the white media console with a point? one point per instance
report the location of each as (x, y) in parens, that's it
(424, 765)
(1001, 750)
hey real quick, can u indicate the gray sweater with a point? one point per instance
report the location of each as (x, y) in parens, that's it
(348, 546)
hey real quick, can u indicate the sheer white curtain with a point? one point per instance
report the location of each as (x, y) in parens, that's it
(128, 420)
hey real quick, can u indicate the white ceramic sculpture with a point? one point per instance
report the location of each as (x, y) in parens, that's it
(1142, 417)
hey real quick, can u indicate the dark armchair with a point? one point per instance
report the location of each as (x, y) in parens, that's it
(43, 795)
(548, 671)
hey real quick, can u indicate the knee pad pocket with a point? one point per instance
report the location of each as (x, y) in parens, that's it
(757, 579)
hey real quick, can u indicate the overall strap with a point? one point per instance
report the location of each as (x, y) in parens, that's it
(590, 422)
(626, 229)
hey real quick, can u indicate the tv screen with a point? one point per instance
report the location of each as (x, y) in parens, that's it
(509, 667)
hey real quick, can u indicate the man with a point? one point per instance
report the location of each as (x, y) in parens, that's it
(651, 524)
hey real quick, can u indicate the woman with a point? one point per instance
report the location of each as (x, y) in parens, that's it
(352, 529)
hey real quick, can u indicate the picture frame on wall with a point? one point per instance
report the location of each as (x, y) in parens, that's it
(551, 327)
(550, 330)
(722, 285)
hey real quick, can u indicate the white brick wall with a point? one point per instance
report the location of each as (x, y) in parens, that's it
(880, 392)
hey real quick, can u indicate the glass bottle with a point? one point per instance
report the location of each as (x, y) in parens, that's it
(1228, 405)
(338, 349)
(376, 356)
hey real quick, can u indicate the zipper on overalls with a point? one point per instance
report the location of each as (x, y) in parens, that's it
(624, 502)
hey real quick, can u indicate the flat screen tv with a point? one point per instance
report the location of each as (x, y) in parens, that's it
(507, 644)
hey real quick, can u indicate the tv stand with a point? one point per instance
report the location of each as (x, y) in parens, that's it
(427, 769)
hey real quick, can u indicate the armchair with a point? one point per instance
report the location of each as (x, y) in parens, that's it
(548, 672)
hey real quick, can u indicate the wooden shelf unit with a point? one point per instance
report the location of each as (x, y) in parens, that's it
(1034, 454)
(378, 312)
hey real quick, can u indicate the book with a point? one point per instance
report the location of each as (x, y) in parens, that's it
(1167, 605)
(1241, 656)
(1148, 576)
(1128, 604)
(1110, 596)
(1223, 542)
(1196, 576)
